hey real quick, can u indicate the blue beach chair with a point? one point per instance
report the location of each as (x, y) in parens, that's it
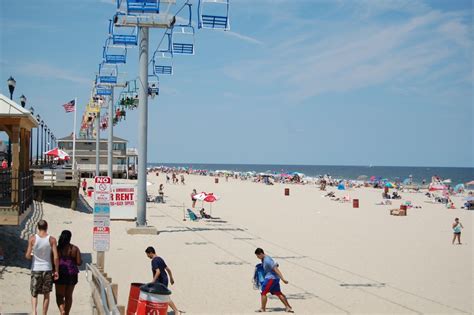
(192, 216)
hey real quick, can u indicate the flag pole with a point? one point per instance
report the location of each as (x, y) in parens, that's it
(74, 137)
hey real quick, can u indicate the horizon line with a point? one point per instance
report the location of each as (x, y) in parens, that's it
(367, 166)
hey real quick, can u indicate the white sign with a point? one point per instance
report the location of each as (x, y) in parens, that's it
(102, 189)
(123, 202)
(101, 238)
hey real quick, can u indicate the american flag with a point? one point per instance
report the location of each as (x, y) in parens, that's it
(70, 106)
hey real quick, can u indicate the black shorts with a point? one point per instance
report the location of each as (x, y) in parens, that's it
(65, 279)
(457, 233)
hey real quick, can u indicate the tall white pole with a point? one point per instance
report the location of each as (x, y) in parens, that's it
(74, 137)
(110, 141)
(142, 124)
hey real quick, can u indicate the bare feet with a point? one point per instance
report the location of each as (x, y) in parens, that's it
(260, 311)
(289, 310)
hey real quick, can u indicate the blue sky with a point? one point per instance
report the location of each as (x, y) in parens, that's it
(293, 82)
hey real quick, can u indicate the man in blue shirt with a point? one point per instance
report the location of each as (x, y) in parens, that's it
(271, 283)
(160, 272)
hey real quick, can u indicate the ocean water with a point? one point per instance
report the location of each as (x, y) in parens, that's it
(456, 174)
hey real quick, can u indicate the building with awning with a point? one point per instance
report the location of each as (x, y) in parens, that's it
(16, 179)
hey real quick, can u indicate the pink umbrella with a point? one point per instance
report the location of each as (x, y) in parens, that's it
(434, 187)
(210, 197)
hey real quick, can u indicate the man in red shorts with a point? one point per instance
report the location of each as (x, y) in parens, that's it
(271, 283)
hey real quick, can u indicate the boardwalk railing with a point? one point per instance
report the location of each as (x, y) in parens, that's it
(16, 194)
(56, 177)
(103, 292)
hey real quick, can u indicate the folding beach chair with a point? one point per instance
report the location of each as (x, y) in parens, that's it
(192, 216)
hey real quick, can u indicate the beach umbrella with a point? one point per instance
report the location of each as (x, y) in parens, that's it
(200, 196)
(362, 177)
(210, 197)
(372, 178)
(446, 181)
(389, 185)
(471, 183)
(459, 187)
(57, 153)
(434, 187)
(469, 198)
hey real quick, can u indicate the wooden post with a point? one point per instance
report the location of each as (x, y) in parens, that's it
(101, 261)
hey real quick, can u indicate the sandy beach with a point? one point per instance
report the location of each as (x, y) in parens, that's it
(337, 259)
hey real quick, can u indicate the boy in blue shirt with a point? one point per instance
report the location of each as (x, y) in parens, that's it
(271, 283)
(160, 273)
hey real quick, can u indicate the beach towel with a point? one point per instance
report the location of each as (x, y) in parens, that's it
(192, 216)
(258, 276)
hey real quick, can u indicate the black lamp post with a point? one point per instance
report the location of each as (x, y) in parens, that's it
(48, 142)
(23, 100)
(11, 87)
(44, 142)
(32, 111)
(38, 119)
(42, 125)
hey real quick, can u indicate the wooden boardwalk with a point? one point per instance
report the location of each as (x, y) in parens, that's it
(57, 180)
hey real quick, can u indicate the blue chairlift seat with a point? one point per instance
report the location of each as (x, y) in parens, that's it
(123, 35)
(107, 73)
(162, 58)
(143, 6)
(183, 36)
(183, 40)
(103, 91)
(153, 86)
(213, 14)
(114, 55)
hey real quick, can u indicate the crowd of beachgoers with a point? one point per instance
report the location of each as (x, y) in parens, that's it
(437, 191)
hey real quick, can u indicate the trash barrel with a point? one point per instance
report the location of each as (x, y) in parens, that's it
(90, 190)
(404, 208)
(154, 299)
(133, 298)
(216, 180)
(355, 203)
(287, 191)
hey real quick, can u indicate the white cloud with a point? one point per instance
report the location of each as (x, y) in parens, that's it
(244, 37)
(49, 71)
(369, 54)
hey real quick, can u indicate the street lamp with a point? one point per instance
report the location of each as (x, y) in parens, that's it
(38, 119)
(44, 142)
(42, 158)
(11, 86)
(23, 100)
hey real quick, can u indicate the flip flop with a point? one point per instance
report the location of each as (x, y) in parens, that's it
(290, 311)
(260, 311)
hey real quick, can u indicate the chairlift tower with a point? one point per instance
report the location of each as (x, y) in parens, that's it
(138, 16)
(143, 14)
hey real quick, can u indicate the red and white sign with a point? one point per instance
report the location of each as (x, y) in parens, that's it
(123, 202)
(101, 238)
(102, 189)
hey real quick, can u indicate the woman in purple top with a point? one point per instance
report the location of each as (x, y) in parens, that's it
(69, 260)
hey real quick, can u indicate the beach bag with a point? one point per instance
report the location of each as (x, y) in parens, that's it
(258, 277)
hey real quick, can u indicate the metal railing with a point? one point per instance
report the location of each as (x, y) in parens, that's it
(16, 189)
(105, 302)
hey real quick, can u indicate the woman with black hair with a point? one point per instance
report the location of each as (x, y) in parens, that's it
(69, 260)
